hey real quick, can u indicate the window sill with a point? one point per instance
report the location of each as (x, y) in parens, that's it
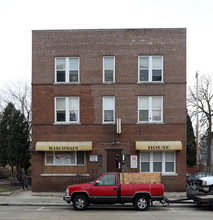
(108, 83)
(66, 83)
(150, 82)
(66, 123)
(109, 123)
(151, 123)
(169, 174)
(164, 174)
(65, 165)
(63, 174)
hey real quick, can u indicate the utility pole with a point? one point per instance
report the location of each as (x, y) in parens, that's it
(197, 126)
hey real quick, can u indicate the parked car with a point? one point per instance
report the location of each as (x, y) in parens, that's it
(194, 180)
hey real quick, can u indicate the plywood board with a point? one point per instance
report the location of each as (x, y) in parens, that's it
(145, 178)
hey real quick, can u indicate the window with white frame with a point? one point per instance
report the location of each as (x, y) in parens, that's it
(108, 109)
(67, 69)
(150, 68)
(145, 161)
(150, 109)
(169, 161)
(73, 158)
(67, 110)
(109, 69)
(158, 161)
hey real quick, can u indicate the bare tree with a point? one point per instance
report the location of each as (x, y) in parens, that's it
(205, 108)
(19, 94)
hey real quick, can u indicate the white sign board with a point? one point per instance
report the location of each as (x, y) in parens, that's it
(134, 161)
(93, 158)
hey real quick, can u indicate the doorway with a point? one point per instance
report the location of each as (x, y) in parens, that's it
(114, 160)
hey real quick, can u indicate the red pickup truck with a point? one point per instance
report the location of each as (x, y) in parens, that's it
(108, 190)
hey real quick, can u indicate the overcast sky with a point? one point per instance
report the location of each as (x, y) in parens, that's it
(19, 17)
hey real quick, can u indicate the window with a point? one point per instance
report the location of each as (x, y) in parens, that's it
(67, 70)
(107, 180)
(60, 69)
(108, 109)
(157, 161)
(150, 69)
(60, 109)
(150, 109)
(65, 158)
(67, 110)
(145, 162)
(109, 69)
(169, 166)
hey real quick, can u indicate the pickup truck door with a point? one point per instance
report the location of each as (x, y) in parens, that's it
(105, 188)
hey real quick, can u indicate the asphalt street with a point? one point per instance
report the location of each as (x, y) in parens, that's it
(104, 213)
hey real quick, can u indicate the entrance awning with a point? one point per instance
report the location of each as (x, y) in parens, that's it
(64, 146)
(158, 145)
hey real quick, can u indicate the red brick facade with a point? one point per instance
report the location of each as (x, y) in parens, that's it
(90, 46)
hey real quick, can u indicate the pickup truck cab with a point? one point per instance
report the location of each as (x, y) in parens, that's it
(206, 184)
(108, 190)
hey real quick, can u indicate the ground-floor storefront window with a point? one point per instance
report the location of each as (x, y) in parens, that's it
(158, 161)
(65, 158)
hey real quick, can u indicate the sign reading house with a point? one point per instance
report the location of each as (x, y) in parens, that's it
(158, 145)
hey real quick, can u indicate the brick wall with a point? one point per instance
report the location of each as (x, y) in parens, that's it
(91, 46)
(125, 45)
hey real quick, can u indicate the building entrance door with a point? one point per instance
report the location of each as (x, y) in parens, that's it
(114, 160)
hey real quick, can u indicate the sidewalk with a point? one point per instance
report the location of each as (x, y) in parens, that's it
(29, 198)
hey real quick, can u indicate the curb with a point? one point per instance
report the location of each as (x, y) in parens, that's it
(48, 194)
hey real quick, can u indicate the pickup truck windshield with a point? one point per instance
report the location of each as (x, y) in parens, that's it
(95, 180)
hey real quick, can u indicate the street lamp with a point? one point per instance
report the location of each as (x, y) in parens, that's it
(197, 127)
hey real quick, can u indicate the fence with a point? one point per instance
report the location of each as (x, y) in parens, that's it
(206, 169)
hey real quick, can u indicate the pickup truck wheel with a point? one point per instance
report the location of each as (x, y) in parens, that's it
(80, 202)
(141, 203)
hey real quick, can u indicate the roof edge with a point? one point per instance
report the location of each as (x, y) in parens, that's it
(107, 29)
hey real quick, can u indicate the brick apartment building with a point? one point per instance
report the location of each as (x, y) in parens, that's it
(108, 100)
